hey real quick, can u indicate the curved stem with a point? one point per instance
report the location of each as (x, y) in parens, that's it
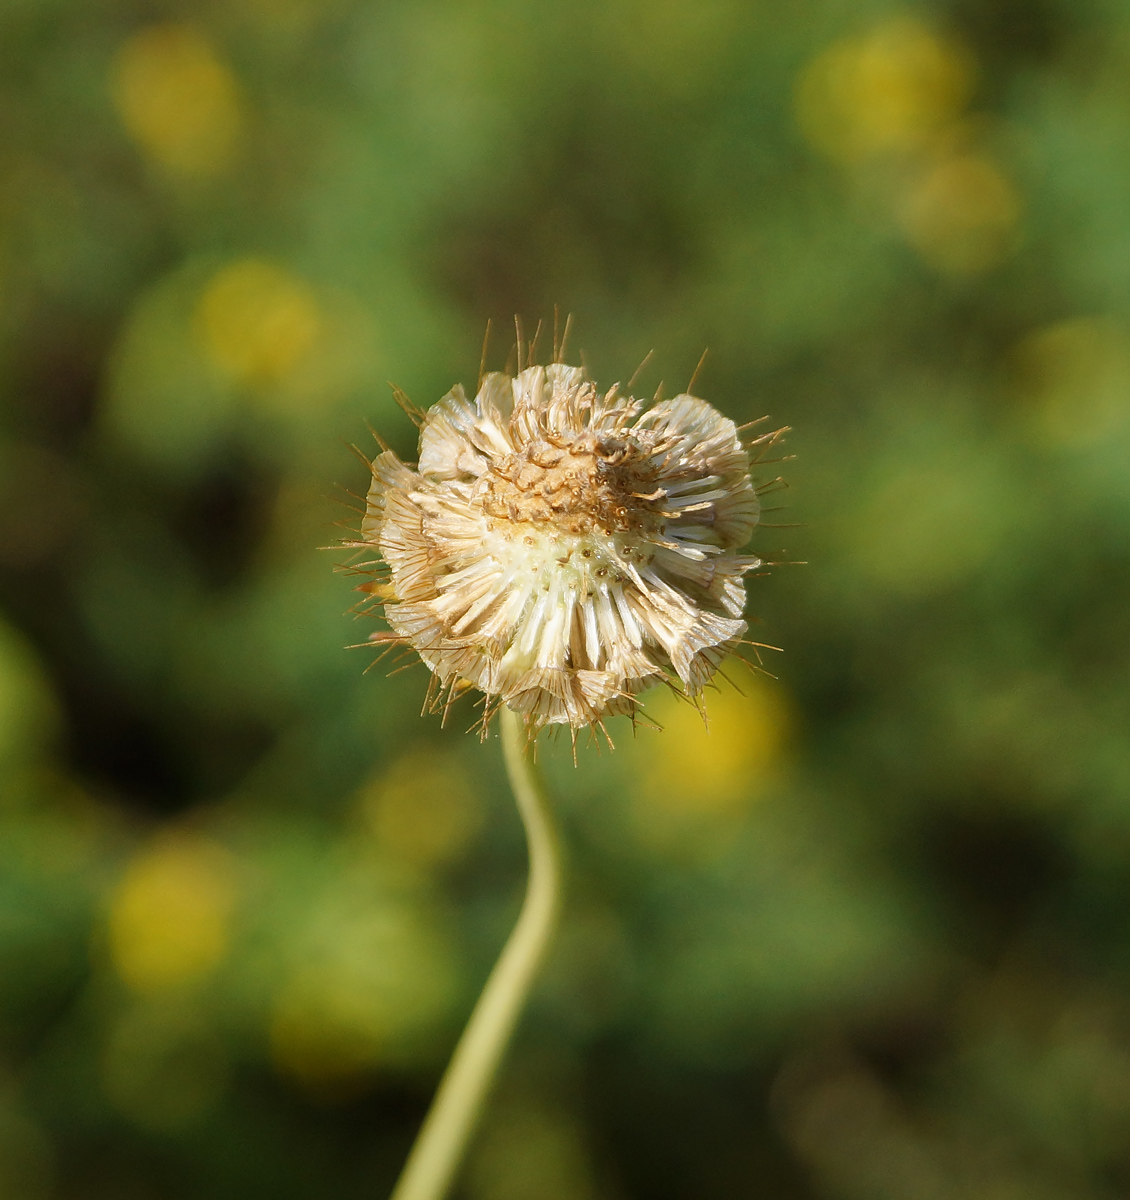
(442, 1139)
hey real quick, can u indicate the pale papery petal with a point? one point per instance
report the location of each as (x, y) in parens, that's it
(446, 448)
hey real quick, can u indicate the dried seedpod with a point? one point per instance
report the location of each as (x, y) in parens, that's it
(561, 549)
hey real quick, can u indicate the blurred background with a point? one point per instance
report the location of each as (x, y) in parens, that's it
(870, 938)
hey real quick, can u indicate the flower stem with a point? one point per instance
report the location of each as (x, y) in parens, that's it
(442, 1139)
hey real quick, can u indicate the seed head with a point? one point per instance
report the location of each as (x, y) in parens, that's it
(562, 550)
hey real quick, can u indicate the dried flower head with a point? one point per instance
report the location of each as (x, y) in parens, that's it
(562, 550)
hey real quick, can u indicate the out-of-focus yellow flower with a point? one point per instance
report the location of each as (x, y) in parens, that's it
(423, 811)
(890, 90)
(961, 213)
(257, 322)
(178, 100)
(1075, 378)
(170, 915)
(699, 776)
(897, 95)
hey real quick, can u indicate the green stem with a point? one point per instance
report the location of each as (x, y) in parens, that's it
(442, 1139)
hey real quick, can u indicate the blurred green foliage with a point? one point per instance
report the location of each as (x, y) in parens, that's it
(868, 937)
